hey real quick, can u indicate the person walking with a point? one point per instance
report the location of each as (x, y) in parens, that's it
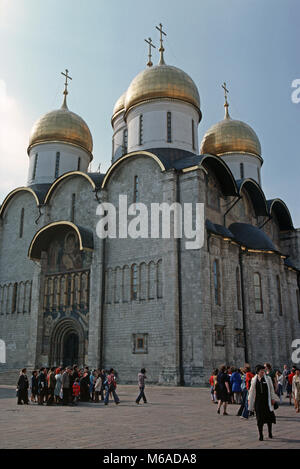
(212, 382)
(296, 389)
(223, 389)
(111, 387)
(51, 386)
(270, 372)
(103, 379)
(22, 388)
(98, 386)
(279, 385)
(289, 388)
(58, 386)
(76, 390)
(66, 385)
(236, 382)
(262, 398)
(34, 387)
(41, 386)
(285, 375)
(141, 384)
(85, 386)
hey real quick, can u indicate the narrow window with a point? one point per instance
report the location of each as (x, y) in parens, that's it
(56, 173)
(279, 296)
(134, 282)
(14, 298)
(73, 207)
(136, 190)
(238, 288)
(217, 282)
(21, 223)
(140, 343)
(141, 130)
(34, 166)
(79, 164)
(125, 141)
(169, 127)
(242, 170)
(193, 134)
(257, 293)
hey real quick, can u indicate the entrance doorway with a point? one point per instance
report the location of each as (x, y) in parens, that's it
(70, 349)
(67, 343)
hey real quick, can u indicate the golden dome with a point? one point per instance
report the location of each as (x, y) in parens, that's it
(61, 125)
(230, 136)
(162, 81)
(120, 105)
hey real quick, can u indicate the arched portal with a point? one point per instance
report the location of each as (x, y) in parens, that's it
(70, 349)
(67, 344)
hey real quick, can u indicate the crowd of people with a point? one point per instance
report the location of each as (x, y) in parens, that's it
(69, 385)
(255, 393)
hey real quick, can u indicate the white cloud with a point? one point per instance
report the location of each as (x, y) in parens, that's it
(13, 143)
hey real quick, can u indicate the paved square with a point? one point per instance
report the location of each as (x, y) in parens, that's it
(174, 418)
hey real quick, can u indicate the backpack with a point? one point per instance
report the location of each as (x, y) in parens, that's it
(111, 385)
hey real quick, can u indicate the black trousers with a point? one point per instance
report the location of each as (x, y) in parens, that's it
(23, 396)
(50, 397)
(66, 396)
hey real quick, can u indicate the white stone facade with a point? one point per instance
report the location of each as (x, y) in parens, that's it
(48, 161)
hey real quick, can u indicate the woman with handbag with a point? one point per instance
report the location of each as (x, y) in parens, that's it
(262, 399)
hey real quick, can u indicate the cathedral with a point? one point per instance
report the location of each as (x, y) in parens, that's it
(69, 296)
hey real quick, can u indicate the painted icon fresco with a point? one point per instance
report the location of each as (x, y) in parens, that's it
(64, 254)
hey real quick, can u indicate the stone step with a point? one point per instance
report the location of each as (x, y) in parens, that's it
(9, 377)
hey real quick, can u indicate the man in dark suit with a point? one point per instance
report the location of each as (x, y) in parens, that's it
(23, 386)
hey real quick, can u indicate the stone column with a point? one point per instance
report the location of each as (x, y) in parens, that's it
(97, 292)
(170, 372)
(36, 316)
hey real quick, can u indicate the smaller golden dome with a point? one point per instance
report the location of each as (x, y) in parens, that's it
(64, 126)
(120, 105)
(162, 81)
(230, 136)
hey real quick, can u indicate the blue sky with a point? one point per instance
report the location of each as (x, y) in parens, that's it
(253, 45)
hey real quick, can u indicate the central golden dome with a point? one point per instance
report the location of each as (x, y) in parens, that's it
(64, 126)
(230, 136)
(162, 81)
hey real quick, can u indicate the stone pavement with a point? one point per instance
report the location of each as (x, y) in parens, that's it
(174, 418)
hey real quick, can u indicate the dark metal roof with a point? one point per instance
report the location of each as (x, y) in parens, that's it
(244, 234)
(97, 178)
(218, 229)
(221, 171)
(289, 263)
(181, 159)
(282, 213)
(255, 193)
(170, 156)
(40, 190)
(252, 237)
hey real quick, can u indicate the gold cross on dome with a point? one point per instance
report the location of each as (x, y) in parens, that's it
(66, 82)
(149, 41)
(225, 91)
(161, 49)
(226, 105)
